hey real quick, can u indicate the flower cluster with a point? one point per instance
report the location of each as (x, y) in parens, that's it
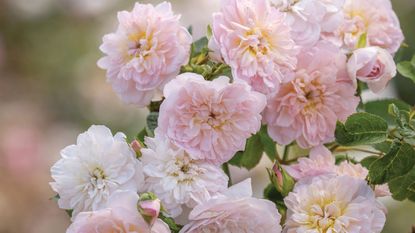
(281, 72)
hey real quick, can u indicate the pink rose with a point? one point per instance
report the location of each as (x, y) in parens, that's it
(372, 65)
(235, 211)
(320, 161)
(306, 108)
(255, 42)
(120, 216)
(211, 120)
(328, 203)
(145, 52)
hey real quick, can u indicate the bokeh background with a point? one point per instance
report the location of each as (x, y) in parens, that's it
(51, 90)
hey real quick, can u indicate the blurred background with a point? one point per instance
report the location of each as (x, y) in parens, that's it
(51, 90)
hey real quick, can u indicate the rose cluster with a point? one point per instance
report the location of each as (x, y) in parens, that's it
(294, 66)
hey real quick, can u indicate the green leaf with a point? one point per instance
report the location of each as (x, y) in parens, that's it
(199, 45)
(141, 135)
(344, 157)
(209, 32)
(272, 194)
(367, 162)
(269, 145)
(174, 227)
(380, 108)
(407, 68)
(383, 146)
(252, 154)
(397, 162)
(361, 129)
(152, 122)
(401, 187)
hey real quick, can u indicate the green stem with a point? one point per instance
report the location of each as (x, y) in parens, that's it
(359, 93)
(225, 168)
(285, 154)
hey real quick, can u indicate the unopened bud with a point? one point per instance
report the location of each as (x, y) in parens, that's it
(283, 182)
(136, 146)
(149, 207)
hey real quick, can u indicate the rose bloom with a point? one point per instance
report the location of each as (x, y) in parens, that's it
(376, 18)
(98, 165)
(309, 18)
(176, 179)
(372, 65)
(234, 211)
(255, 42)
(321, 161)
(307, 108)
(333, 204)
(121, 216)
(211, 120)
(145, 52)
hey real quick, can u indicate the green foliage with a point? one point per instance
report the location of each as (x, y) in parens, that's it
(252, 154)
(174, 227)
(199, 62)
(281, 180)
(407, 68)
(269, 145)
(255, 146)
(405, 122)
(152, 122)
(402, 187)
(141, 135)
(361, 129)
(272, 194)
(397, 162)
(381, 108)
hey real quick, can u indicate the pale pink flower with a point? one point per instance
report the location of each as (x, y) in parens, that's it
(176, 179)
(376, 18)
(307, 108)
(321, 161)
(234, 211)
(372, 65)
(333, 204)
(91, 170)
(255, 42)
(121, 216)
(309, 18)
(145, 52)
(211, 120)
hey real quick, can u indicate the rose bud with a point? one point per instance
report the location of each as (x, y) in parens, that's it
(372, 65)
(149, 207)
(283, 182)
(136, 146)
